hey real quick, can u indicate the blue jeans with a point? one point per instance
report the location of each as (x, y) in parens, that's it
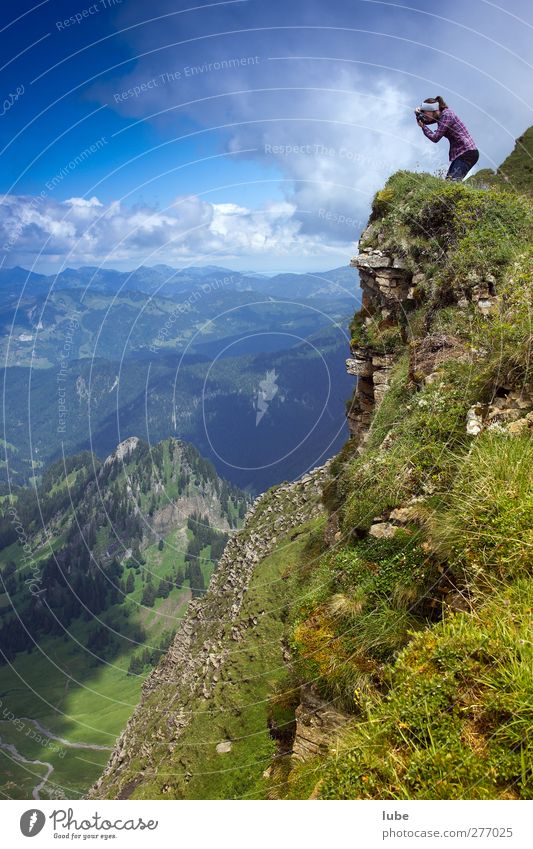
(460, 167)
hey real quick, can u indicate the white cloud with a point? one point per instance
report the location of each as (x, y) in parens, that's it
(337, 147)
(333, 132)
(79, 231)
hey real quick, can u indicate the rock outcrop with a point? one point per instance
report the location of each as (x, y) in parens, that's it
(390, 292)
(509, 411)
(318, 724)
(386, 285)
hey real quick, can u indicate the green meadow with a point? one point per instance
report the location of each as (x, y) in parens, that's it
(76, 696)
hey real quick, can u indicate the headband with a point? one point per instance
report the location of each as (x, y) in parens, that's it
(429, 107)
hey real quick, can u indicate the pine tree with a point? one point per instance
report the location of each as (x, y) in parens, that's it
(148, 596)
(163, 589)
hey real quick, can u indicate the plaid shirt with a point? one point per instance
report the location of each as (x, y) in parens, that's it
(455, 131)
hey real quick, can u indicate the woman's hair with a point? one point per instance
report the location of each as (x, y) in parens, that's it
(442, 103)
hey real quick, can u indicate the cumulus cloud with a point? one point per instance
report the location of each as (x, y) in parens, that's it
(79, 231)
(329, 151)
(315, 105)
(475, 55)
(336, 148)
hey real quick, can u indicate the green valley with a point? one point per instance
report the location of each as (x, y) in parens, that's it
(81, 628)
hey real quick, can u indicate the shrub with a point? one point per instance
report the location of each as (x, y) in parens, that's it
(372, 484)
(382, 202)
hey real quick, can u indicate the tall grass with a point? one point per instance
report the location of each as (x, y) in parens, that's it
(488, 525)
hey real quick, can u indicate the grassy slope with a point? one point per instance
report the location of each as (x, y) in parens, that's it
(516, 171)
(62, 685)
(422, 638)
(240, 707)
(442, 695)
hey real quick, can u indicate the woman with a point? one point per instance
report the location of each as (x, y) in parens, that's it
(463, 151)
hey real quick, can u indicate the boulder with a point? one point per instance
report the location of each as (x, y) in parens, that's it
(383, 530)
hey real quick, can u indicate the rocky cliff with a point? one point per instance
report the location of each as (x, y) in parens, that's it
(365, 633)
(199, 664)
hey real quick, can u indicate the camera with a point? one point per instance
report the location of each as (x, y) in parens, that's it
(421, 117)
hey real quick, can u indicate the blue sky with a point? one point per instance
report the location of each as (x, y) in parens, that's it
(247, 134)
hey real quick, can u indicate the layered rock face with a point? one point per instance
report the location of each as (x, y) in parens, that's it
(386, 286)
(390, 291)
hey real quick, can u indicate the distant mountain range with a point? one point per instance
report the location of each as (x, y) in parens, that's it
(212, 402)
(115, 314)
(237, 364)
(167, 282)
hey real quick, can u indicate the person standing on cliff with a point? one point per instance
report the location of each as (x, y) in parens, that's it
(463, 151)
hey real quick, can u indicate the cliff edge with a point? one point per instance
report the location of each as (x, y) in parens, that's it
(366, 633)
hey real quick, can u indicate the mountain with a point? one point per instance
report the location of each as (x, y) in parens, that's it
(327, 284)
(168, 282)
(367, 632)
(40, 331)
(92, 355)
(516, 171)
(97, 567)
(209, 399)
